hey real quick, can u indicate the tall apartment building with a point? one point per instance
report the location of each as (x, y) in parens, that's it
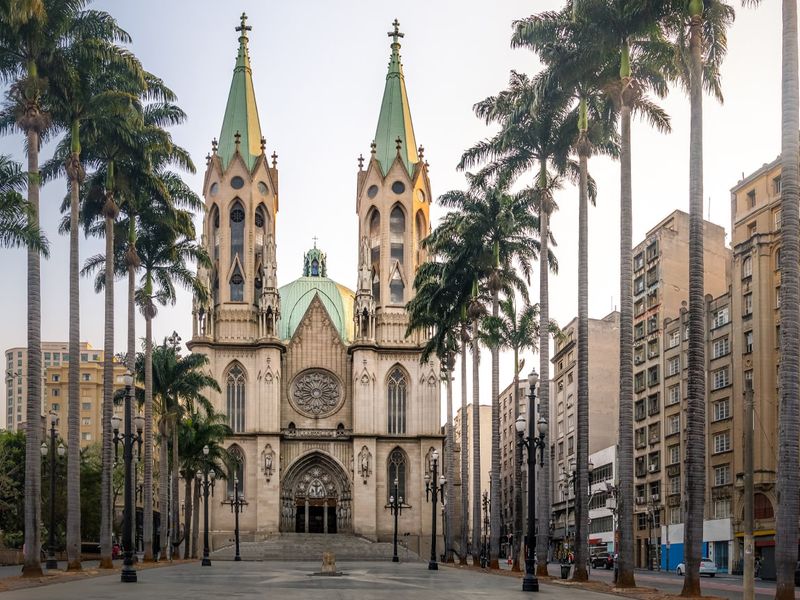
(603, 405)
(508, 444)
(486, 451)
(55, 369)
(755, 312)
(660, 287)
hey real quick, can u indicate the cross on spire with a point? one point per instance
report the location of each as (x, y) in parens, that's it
(244, 27)
(315, 238)
(395, 35)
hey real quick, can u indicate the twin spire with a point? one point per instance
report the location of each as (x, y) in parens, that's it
(241, 128)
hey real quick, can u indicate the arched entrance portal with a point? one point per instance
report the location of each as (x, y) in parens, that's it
(315, 496)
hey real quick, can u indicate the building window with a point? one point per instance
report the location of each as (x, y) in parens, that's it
(776, 185)
(722, 475)
(674, 424)
(397, 470)
(396, 287)
(652, 251)
(762, 507)
(722, 442)
(747, 267)
(235, 469)
(397, 230)
(375, 253)
(652, 324)
(641, 521)
(641, 437)
(638, 355)
(747, 304)
(638, 330)
(675, 515)
(237, 232)
(86, 406)
(652, 376)
(721, 378)
(652, 276)
(653, 404)
(603, 473)
(235, 396)
(639, 410)
(638, 308)
(722, 409)
(86, 421)
(56, 378)
(654, 462)
(674, 454)
(751, 199)
(56, 407)
(86, 376)
(397, 401)
(56, 392)
(673, 366)
(638, 261)
(722, 508)
(652, 348)
(720, 317)
(720, 347)
(641, 466)
(776, 218)
(639, 381)
(675, 485)
(86, 436)
(570, 446)
(748, 341)
(675, 338)
(638, 285)
(778, 259)
(674, 394)
(654, 432)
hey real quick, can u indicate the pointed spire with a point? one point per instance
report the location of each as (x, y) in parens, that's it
(241, 113)
(394, 122)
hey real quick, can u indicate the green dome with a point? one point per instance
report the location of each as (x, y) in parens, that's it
(296, 297)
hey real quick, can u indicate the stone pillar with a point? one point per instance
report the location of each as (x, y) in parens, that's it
(306, 516)
(325, 515)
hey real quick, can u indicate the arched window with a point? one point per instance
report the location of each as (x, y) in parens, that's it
(396, 470)
(213, 218)
(397, 233)
(375, 253)
(237, 231)
(747, 266)
(422, 233)
(235, 469)
(216, 290)
(235, 396)
(762, 507)
(261, 228)
(396, 287)
(396, 394)
(237, 285)
(315, 268)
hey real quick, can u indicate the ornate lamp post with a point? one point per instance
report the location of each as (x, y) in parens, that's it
(52, 563)
(485, 546)
(237, 505)
(128, 438)
(396, 509)
(432, 493)
(206, 478)
(532, 443)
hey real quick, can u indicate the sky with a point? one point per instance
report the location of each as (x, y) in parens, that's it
(319, 69)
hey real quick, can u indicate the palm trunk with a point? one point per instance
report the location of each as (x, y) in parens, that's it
(582, 445)
(494, 485)
(695, 405)
(163, 483)
(476, 447)
(106, 505)
(73, 418)
(131, 261)
(187, 502)
(543, 473)
(33, 423)
(449, 466)
(147, 483)
(195, 519)
(788, 467)
(517, 490)
(625, 576)
(464, 456)
(176, 517)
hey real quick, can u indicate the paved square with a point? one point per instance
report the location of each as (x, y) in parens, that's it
(289, 581)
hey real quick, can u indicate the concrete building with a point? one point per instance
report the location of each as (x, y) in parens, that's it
(486, 451)
(660, 287)
(603, 408)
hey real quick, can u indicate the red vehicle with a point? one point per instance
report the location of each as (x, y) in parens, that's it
(116, 550)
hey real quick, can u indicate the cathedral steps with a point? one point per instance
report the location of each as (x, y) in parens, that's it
(298, 547)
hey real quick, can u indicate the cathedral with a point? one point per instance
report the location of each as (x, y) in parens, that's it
(326, 396)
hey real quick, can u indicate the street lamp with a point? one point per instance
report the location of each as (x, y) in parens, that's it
(128, 438)
(569, 481)
(237, 505)
(485, 546)
(396, 509)
(205, 478)
(532, 443)
(52, 563)
(432, 494)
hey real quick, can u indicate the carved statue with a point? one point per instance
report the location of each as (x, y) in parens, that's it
(364, 459)
(364, 267)
(267, 460)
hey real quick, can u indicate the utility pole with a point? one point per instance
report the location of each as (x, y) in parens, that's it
(749, 550)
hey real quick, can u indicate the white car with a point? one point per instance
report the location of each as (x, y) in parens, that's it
(707, 567)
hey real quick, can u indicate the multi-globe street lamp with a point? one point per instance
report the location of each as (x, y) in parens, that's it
(486, 524)
(237, 505)
(433, 491)
(532, 443)
(569, 481)
(127, 438)
(396, 509)
(52, 563)
(205, 478)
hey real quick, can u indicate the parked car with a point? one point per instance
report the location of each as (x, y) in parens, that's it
(602, 560)
(707, 567)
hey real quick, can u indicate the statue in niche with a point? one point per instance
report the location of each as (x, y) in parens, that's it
(364, 460)
(267, 460)
(364, 270)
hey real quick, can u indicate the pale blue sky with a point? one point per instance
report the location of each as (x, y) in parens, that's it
(319, 68)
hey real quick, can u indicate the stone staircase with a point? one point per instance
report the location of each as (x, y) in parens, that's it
(310, 546)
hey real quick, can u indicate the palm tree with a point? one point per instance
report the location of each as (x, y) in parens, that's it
(465, 338)
(16, 228)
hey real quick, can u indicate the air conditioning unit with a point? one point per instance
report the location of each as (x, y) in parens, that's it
(653, 468)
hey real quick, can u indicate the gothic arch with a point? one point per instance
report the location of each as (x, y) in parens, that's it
(397, 466)
(398, 391)
(235, 378)
(213, 231)
(236, 465)
(316, 489)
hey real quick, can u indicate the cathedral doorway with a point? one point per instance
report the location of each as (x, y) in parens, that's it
(315, 496)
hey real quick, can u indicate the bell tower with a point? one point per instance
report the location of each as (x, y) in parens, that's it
(392, 202)
(241, 204)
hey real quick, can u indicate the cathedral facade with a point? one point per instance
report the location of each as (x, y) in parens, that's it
(326, 396)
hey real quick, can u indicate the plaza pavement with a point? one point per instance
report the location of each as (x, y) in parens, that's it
(248, 580)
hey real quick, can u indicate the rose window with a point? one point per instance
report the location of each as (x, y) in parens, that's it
(316, 393)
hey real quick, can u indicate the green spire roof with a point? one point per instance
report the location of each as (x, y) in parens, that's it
(241, 113)
(394, 121)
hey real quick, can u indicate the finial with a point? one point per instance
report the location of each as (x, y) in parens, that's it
(360, 162)
(427, 166)
(237, 139)
(214, 145)
(398, 143)
(208, 158)
(315, 238)
(421, 152)
(373, 148)
(395, 35)
(243, 28)
(274, 158)
(263, 144)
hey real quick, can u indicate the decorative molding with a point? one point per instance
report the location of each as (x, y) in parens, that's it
(338, 434)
